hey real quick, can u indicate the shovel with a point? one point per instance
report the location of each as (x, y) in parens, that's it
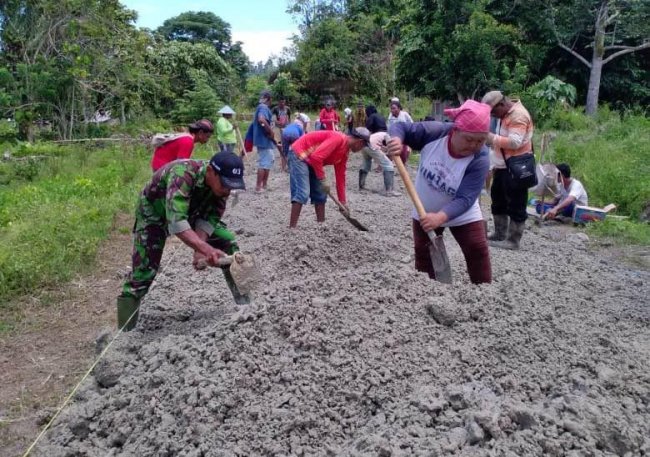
(243, 269)
(437, 250)
(346, 214)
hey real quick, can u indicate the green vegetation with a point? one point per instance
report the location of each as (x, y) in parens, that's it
(55, 211)
(622, 231)
(609, 155)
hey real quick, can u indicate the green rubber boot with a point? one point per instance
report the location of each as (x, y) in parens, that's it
(127, 306)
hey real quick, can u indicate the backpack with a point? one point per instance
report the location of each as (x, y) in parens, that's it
(163, 138)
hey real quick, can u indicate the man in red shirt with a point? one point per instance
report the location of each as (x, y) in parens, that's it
(329, 118)
(181, 146)
(307, 157)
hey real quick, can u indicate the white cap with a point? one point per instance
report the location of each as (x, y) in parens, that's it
(394, 100)
(303, 118)
(347, 111)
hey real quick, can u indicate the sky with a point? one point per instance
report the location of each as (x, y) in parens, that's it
(263, 26)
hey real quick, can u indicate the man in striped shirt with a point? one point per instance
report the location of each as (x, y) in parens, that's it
(514, 138)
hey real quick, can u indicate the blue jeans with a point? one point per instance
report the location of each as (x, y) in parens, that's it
(265, 158)
(303, 182)
(567, 211)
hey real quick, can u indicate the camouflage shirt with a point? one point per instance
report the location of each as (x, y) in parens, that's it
(178, 197)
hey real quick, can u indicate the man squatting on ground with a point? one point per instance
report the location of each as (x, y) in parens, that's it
(308, 155)
(186, 198)
(451, 173)
(378, 144)
(572, 193)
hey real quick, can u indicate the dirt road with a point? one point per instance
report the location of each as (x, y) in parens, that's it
(348, 351)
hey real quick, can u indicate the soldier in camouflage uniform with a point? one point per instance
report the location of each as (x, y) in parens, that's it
(186, 198)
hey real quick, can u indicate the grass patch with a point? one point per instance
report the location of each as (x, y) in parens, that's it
(53, 218)
(611, 158)
(621, 231)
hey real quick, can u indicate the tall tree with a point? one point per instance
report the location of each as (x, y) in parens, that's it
(198, 27)
(206, 27)
(454, 50)
(605, 29)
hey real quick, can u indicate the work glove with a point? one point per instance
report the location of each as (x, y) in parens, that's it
(324, 185)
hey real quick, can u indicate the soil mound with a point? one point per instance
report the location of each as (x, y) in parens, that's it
(348, 351)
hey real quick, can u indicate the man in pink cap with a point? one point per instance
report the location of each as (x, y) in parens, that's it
(451, 173)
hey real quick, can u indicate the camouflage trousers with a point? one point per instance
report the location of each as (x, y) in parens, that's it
(148, 244)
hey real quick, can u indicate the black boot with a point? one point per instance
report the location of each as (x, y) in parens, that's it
(362, 179)
(240, 299)
(515, 232)
(128, 307)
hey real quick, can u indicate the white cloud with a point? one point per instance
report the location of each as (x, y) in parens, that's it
(259, 45)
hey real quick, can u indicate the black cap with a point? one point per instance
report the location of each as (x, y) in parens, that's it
(230, 169)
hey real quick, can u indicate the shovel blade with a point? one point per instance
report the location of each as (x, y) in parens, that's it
(244, 272)
(440, 260)
(356, 223)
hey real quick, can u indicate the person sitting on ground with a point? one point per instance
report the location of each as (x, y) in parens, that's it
(186, 198)
(376, 150)
(292, 132)
(572, 193)
(180, 146)
(329, 118)
(226, 130)
(307, 157)
(452, 169)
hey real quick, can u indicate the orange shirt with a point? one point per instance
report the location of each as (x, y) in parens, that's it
(325, 147)
(516, 133)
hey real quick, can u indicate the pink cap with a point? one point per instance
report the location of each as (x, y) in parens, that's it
(472, 116)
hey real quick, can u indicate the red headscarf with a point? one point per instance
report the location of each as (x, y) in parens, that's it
(472, 116)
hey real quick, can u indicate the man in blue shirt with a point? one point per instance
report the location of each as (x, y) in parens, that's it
(263, 140)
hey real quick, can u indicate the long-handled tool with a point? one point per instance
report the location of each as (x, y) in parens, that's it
(437, 250)
(346, 213)
(242, 146)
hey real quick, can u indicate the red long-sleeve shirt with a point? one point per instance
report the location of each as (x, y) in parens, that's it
(325, 147)
(180, 148)
(329, 118)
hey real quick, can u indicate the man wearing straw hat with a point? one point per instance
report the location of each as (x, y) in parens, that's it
(226, 130)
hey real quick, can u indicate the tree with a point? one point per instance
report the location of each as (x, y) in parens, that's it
(198, 27)
(614, 28)
(66, 57)
(472, 53)
(205, 27)
(311, 12)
